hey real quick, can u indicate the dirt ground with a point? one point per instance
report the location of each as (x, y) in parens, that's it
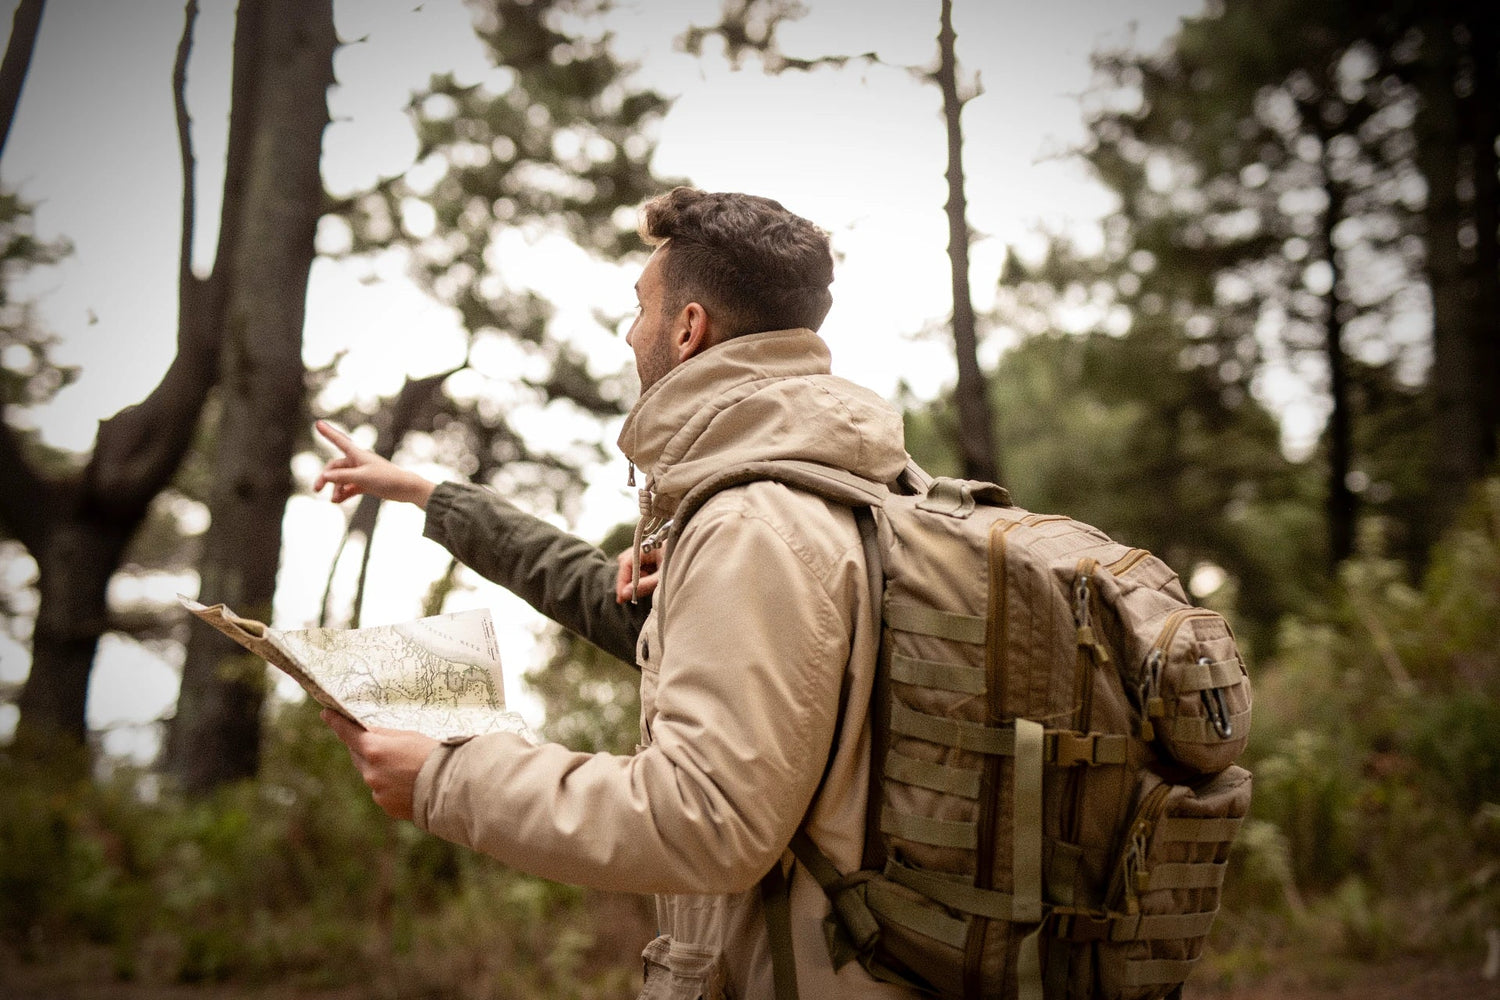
(1404, 980)
(1408, 979)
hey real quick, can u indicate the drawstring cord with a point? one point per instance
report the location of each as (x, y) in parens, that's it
(650, 532)
(644, 501)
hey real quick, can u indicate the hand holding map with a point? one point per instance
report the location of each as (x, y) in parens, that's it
(438, 676)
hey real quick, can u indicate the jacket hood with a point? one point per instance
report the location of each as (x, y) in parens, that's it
(758, 397)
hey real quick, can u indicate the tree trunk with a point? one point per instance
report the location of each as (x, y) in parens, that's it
(75, 560)
(1341, 501)
(289, 44)
(77, 529)
(18, 50)
(1484, 123)
(1458, 453)
(976, 422)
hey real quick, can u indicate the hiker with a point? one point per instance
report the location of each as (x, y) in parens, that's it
(756, 645)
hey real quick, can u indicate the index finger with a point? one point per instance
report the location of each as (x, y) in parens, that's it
(338, 438)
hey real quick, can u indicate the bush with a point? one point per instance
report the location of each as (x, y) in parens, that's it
(1376, 752)
(294, 878)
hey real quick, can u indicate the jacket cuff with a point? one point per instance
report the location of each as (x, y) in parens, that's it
(424, 791)
(439, 504)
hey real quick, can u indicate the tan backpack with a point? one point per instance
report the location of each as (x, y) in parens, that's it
(1053, 789)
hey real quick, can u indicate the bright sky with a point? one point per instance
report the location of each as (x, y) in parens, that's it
(859, 151)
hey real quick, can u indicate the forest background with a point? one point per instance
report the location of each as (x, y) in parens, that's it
(1266, 349)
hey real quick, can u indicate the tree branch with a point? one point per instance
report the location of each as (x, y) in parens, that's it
(186, 283)
(139, 448)
(17, 62)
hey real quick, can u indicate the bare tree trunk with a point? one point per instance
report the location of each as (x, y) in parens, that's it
(284, 48)
(23, 29)
(77, 529)
(976, 422)
(1457, 454)
(1341, 502)
(1485, 129)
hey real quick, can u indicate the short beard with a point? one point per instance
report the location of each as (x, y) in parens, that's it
(657, 363)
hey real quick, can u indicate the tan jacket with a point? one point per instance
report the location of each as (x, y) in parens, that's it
(743, 736)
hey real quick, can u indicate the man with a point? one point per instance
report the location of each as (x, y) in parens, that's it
(755, 689)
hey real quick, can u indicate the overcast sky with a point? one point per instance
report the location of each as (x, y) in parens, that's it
(859, 151)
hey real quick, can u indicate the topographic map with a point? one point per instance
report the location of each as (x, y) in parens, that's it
(439, 676)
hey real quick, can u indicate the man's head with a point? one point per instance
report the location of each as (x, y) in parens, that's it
(725, 265)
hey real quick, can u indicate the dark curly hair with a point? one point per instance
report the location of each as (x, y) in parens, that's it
(754, 265)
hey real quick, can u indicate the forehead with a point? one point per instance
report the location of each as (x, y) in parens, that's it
(651, 274)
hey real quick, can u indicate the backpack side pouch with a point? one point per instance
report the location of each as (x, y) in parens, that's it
(1194, 693)
(1166, 887)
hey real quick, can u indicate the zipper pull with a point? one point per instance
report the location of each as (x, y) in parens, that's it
(630, 476)
(1081, 613)
(1152, 706)
(1136, 877)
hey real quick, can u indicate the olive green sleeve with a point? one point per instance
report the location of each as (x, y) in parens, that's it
(563, 577)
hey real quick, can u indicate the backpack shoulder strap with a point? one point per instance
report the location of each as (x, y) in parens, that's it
(826, 481)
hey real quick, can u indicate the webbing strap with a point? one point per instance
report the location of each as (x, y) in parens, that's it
(955, 733)
(960, 781)
(1029, 967)
(926, 830)
(1214, 674)
(1202, 830)
(925, 920)
(1161, 926)
(774, 898)
(1080, 927)
(1026, 865)
(1198, 729)
(1200, 875)
(1063, 747)
(1152, 972)
(953, 893)
(936, 674)
(930, 621)
(843, 893)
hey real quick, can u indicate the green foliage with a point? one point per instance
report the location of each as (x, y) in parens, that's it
(558, 142)
(28, 374)
(296, 879)
(1113, 431)
(1376, 752)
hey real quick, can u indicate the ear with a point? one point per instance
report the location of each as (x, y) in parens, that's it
(694, 332)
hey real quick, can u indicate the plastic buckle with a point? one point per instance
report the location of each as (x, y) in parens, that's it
(1072, 748)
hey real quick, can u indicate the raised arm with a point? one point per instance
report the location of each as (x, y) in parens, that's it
(567, 579)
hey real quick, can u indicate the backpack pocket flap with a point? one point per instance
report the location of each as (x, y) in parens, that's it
(1194, 693)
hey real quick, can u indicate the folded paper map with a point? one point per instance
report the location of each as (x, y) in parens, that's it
(439, 676)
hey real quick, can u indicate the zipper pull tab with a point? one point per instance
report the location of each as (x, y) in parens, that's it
(1087, 638)
(630, 477)
(1151, 703)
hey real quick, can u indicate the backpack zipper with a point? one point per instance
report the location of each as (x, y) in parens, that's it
(1131, 878)
(1129, 561)
(984, 861)
(1148, 688)
(1092, 653)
